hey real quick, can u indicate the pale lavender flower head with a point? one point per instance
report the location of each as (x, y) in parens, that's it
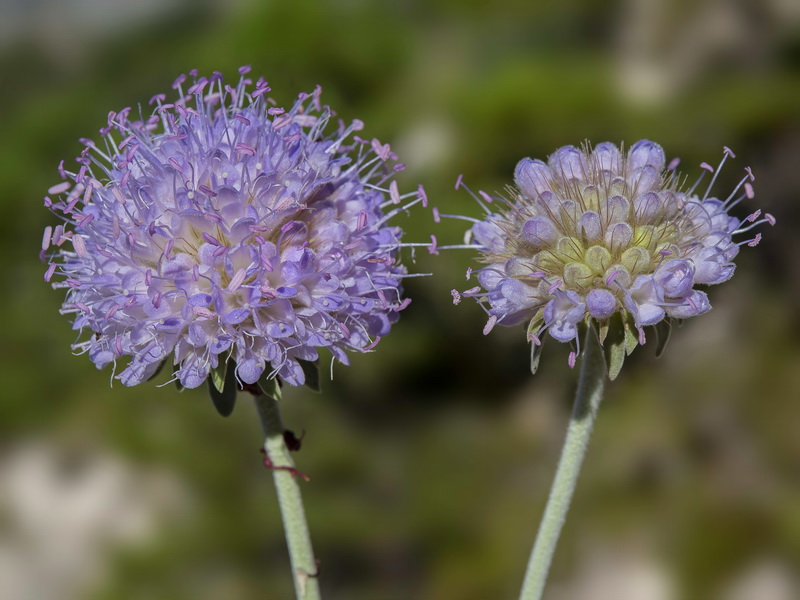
(222, 226)
(600, 234)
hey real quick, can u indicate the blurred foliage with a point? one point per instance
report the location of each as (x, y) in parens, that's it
(430, 459)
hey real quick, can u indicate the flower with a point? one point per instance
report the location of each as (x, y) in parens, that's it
(222, 226)
(598, 234)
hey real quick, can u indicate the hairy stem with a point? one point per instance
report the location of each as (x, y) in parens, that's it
(301, 554)
(587, 400)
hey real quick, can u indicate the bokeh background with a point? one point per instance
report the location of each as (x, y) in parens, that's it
(431, 458)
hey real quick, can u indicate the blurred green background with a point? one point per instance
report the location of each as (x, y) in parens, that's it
(431, 458)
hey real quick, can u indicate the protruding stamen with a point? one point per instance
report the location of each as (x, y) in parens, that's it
(456, 296)
(79, 244)
(554, 286)
(211, 240)
(260, 91)
(59, 188)
(716, 173)
(202, 311)
(362, 220)
(394, 194)
(49, 273)
(236, 280)
(423, 195)
(372, 344)
(406, 301)
(48, 232)
(730, 197)
(71, 204)
(475, 196)
(459, 247)
(489, 325)
(754, 224)
(344, 329)
(437, 217)
(244, 149)
(691, 190)
(381, 150)
(752, 217)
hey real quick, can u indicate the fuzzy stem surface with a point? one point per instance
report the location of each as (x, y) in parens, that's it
(301, 554)
(587, 400)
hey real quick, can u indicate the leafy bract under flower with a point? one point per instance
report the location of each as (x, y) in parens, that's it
(600, 234)
(225, 227)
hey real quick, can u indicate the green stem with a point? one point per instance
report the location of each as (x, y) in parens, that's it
(301, 555)
(587, 399)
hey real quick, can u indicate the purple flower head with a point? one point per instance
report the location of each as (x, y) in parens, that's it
(600, 234)
(222, 226)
